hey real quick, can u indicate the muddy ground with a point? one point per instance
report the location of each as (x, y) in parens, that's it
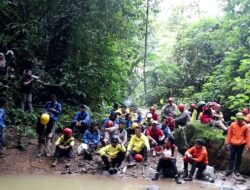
(17, 162)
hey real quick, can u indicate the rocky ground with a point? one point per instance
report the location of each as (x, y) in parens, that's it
(26, 162)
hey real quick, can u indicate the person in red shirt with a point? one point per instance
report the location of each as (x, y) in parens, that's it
(206, 115)
(236, 140)
(155, 136)
(197, 156)
(152, 110)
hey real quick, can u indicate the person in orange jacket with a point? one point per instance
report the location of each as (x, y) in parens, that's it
(236, 140)
(197, 156)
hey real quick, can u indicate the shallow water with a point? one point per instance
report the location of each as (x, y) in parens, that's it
(87, 182)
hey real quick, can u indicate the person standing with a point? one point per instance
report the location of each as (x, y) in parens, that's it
(236, 141)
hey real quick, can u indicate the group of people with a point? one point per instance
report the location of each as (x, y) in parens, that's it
(128, 136)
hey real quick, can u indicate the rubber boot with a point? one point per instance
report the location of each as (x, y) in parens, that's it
(177, 179)
(156, 176)
(228, 172)
(185, 174)
(189, 178)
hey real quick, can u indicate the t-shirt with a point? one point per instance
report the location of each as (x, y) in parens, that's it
(26, 88)
(155, 134)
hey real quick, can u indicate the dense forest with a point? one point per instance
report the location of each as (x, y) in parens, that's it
(101, 51)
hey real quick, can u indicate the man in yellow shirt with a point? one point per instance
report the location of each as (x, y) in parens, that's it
(113, 155)
(138, 144)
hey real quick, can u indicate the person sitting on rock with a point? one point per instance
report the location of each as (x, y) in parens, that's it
(44, 130)
(206, 116)
(184, 118)
(113, 155)
(236, 140)
(199, 109)
(218, 119)
(197, 156)
(122, 112)
(64, 146)
(129, 121)
(167, 162)
(153, 111)
(112, 117)
(246, 113)
(169, 109)
(155, 136)
(81, 120)
(138, 144)
(119, 131)
(165, 127)
(91, 137)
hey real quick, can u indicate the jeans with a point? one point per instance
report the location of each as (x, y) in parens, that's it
(200, 165)
(166, 166)
(114, 161)
(60, 152)
(236, 152)
(2, 138)
(26, 97)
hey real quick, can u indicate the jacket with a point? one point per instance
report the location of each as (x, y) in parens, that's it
(112, 151)
(184, 117)
(2, 118)
(57, 106)
(137, 144)
(199, 155)
(62, 141)
(84, 117)
(237, 135)
(90, 137)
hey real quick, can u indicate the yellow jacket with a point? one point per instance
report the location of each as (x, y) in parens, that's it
(194, 115)
(112, 151)
(61, 141)
(137, 144)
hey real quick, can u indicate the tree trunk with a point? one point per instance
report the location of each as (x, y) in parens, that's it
(145, 51)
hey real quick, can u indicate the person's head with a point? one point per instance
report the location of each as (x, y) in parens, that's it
(240, 118)
(181, 107)
(114, 140)
(27, 72)
(94, 126)
(134, 125)
(116, 106)
(53, 98)
(2, 57)
(199, 143)
(169, 141)
(67, 132)
(83, 108)
(113, 115)
(123, 108)
(3, 102)
(193, 106)
(122, 123)
(154, 125)
(138, 131)
(245, 111)
(139, 113)
(170, 101)
(152, 109)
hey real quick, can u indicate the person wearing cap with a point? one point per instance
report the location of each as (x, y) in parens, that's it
(119, 131)
(169, 109)
(138, 144)
(236, 140)
(81, 120)
(167, 162)
(184, 118)
(64, 146)
(113, 155)
(218, 119)
(44, 130)
(155, 136)
(197, 156)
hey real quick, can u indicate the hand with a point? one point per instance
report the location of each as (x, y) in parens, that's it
(78, 124)
(154, 142)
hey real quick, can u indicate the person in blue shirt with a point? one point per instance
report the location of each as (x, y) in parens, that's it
(54, 109)
(3, 106)
(81, 120)
(112, 117)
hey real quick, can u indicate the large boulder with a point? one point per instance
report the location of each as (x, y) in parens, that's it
(215, 143)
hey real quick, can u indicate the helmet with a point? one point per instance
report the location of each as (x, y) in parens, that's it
(193, 106)
(67, 131)
(217, 106)
(44, 119)
(181, 107)
(158, 148)
(138, 157)
(240, 116)
(114, 139)
(170, 100)
(201, 103)
(134, 125)
(149, 115)
(245, 111)
(152, 108)
(206, 108)
(170, 119)
(110, 123)
(155, 122)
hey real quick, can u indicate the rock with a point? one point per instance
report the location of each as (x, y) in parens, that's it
(153, 187)
(209, 173)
